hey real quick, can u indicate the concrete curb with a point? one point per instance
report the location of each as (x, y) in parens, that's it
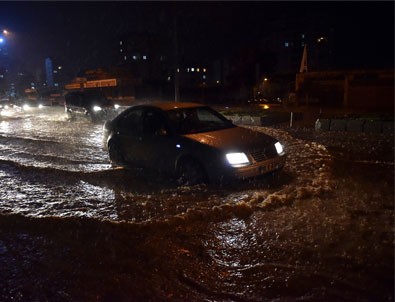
(355, 125)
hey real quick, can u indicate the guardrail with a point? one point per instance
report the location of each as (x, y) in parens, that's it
(264, 120)
(355, 125)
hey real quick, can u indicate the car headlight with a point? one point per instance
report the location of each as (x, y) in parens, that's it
(26, 107)
(237, 159)
(279, 148)
(96, 108)
(116, 106)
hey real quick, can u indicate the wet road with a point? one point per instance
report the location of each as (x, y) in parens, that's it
(320, 230)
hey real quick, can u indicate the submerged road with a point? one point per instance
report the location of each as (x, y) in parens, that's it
(74, 229)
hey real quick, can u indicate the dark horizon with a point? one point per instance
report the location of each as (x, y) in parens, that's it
(84, 34)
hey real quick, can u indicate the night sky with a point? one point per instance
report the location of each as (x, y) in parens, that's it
(85, 34)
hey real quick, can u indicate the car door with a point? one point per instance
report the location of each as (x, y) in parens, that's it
(129, 135)
(158, 147)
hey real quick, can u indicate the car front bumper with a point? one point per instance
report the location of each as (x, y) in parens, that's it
(259, 168)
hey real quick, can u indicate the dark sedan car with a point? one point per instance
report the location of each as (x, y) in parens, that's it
(93, 105)
(190, 141)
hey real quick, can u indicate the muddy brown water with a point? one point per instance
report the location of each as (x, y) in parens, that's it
(74, 229)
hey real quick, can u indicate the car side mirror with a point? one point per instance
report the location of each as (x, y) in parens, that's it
(162, 132)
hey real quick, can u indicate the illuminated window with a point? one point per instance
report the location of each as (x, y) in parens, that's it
(144, 57)
(286, 44)
(192, 69)
(134, 57)
(204, 69)
(125, 58)
(121, 50)
(198, 69)
(120, 42)
(204, 77)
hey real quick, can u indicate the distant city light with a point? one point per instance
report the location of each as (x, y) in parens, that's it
(321, 39)
(1, 40)
(5, 32)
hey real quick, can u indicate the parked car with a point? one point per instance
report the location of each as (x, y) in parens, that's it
(93, 105)
(6, 103)
(29, 103)
(190, 141)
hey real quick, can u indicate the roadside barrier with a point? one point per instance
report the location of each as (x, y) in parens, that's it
(355, 125)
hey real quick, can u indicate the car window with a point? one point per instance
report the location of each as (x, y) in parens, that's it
(205, 115)
(153, 123)
(197, 120)
(73, 99)
(131, 122)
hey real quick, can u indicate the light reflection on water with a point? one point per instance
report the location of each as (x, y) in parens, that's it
(54, 198)
(230, 240)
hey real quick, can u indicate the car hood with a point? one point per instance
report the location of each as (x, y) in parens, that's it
(233, 139)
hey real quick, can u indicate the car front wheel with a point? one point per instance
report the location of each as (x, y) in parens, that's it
(190, 172)
(115, 154)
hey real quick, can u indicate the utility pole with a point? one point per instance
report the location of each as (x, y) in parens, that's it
(176, 67)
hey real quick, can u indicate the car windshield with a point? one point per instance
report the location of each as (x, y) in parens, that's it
(100, 100)
(197, 120)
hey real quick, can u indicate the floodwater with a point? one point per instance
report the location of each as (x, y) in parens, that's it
(75, 229)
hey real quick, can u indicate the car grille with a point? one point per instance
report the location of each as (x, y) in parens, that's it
(264, 154)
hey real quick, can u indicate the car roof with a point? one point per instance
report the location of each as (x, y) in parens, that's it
(165, 106)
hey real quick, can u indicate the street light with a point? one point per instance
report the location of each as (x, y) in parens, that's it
(4, 33)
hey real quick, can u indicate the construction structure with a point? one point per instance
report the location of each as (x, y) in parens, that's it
(355, 89)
